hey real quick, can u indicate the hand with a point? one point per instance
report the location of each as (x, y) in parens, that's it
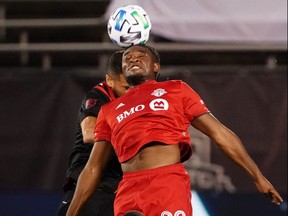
(266, 188)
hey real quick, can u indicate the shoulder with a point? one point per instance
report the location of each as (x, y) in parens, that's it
(175, 84)
(172, 82)
(93, 93)
(101, 90)
(183, 88)
(101, 87)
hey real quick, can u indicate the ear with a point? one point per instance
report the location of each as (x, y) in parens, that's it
(156, 68)
(109, 81)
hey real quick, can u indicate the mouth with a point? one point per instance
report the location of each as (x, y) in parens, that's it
(134, 67)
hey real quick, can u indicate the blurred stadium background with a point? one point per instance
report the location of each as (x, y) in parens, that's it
(233, 53)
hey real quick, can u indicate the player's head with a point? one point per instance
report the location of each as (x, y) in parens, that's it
(114, 77)
(140, 63)
(133, 213)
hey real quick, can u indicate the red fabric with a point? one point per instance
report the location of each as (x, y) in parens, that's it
(155, 192)
(153, 111)
(106, 90)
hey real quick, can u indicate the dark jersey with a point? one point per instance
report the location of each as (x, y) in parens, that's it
(90, 106)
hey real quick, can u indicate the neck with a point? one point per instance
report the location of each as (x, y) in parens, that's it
(135, 80)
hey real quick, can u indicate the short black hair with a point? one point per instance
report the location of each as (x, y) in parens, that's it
(154, 52)
(115, 63)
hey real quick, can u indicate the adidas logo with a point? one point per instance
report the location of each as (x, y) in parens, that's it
(120, 105)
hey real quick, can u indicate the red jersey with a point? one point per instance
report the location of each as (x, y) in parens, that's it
(152, 111)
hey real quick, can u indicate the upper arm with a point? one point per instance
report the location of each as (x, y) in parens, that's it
(99, 156)
(87, 126)
(209, 125)
(90, 107)
(193, 105)
(102, 129)
(214, 129)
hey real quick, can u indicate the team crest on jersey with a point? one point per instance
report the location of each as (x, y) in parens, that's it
(90, 103)
(159, 104)
(159, 92)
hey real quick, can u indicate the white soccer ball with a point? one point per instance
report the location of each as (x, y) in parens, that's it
(129, 25)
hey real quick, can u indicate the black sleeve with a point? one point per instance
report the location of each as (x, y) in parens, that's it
(91, 103)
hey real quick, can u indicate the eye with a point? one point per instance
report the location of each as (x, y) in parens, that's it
(127, 57)
(141, 56)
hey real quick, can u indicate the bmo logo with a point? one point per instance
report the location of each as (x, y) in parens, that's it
(155, 105)
(159, 104)
(125, 114)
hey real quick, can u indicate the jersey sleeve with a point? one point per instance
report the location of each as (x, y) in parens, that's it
(102, 130)
(193, 105)
(91, 104)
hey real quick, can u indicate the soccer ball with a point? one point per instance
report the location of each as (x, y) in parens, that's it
(129, 25)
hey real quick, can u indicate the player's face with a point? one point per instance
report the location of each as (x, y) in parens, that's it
(119, 85)
(138, 60)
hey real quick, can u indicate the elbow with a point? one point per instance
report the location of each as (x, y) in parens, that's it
(225, 138)
(88, 137)
(92, 170)
(229, 143)
(88, 140)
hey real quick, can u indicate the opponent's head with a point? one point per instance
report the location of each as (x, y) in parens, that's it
(133, 213)
(140, 63)
(114, 77)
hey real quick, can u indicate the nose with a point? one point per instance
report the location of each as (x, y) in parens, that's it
(134, 59)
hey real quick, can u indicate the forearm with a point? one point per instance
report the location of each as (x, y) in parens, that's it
(233, 148)
(90, 176)
(86, 185)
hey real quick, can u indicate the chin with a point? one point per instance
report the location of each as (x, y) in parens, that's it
(135, 79)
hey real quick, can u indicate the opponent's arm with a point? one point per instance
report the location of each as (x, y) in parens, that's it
(231, 146)
(90, 176)
(87, 126)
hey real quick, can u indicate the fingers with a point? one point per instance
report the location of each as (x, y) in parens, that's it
(274, 197)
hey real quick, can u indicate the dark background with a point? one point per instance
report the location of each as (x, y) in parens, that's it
(38, 119)
(43, 80)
